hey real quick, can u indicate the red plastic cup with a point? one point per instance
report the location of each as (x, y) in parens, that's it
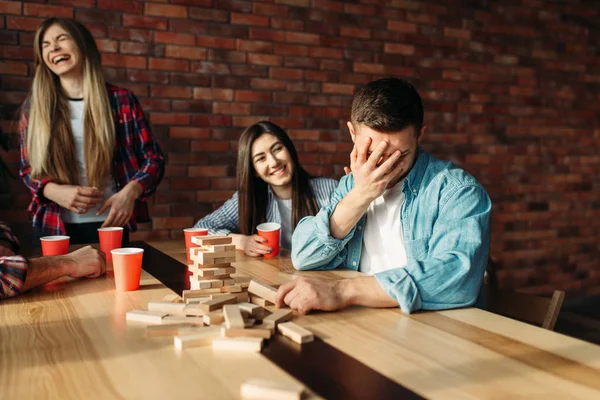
(55, 245)
(127, 265)
(271, 232)
(110, 239)
(189, 233)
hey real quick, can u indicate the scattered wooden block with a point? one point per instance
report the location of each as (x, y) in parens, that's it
(249, 323)
(295, 332)
(172, 319)
(233, 316)
(277, 317)
(211, 240)
(260, 301)
(231, 289)
(217, 303)
(194, 310)
(220, 248)
(250, 308)
(196, 300)
(197, 339)
(172, 298)
(151, 317)
(238, 344)
(166, 307)
(165, 330)
(189, 294)
(252, 332)
(243, 296)
(261, 389)
(198, 285)
(263, 290)
(243, 279)
(214, 318)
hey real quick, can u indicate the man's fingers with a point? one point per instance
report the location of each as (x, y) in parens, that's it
(283, 291)
(377, 154)
(347, 170)
(389, 164)
(362, 150)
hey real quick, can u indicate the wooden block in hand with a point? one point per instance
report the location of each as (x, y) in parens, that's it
(278, 316)
(270, 390)
(295, 332)
(253, 344)
(251, 332)
(217, 303)
(233, 316)
(166, 307)
(211, 240)
(214, 318)
(220, 248)
(151, 317)
(262, 290)
(197, 339)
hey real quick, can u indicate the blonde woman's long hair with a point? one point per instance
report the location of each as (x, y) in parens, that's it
(50, 142)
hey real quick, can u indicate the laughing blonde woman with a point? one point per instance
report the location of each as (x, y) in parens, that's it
(87, 153)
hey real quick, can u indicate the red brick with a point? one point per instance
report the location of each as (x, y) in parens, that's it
(172, 222)
(209, 67)
(269, 9)
(267, 35)
(107, 45)
(191, 53)
(138, 21)
(296, 3)
(175, 38)
(256, 46)
(187, 26)
(224, 183)
(401, 26)
(231, 108)
(135, 35)
(325, 52)
(244, 122)
(160, 105)
(214, 196)
(163, 10)
(10, 7)
(25, 24)
(189, 184)
(119, 60)
(169, 119)
(250, 96)
(327, 5)
(457, 33)
(168, 65)
(126, 6)
(213, 94)
(287, 24)
(286, 73)
(90, 16)
(323, 76)
(180, 92)
(360, 33)
(249, 19)
(264, 59)
(209, 14)
(290, 49)
(211, 120)
(268, 84)
(210, 146)
(12, 97)
(42, 10)
(369, 68)
(305, 38)
(189, 133)
(216, 42)
(399, 48)
(360, 9)
(76, 3)
(206, 171)
(13, 68)
(290, 98)
(338, 88)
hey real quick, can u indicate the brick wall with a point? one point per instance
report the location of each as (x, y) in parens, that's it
(511, 94)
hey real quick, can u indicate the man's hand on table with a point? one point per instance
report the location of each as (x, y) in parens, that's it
(306, 294)
(86, 262)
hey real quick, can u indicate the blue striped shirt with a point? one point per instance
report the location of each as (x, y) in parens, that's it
(225, 220)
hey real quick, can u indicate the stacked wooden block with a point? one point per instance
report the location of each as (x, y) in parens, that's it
(211, 268)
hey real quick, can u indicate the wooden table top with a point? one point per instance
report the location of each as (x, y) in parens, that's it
(70, 340)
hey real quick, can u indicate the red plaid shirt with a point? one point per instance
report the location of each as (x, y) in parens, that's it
(13, 270)
(137, 158)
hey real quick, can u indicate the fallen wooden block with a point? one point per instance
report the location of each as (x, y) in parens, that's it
(211, 240)
(196, 300)
(166, 307)
(197, 339)
(295, 332)
(217, 303)
(261, 389)
(233, 316)
(194, 310)
(250, 308)
(249, 323)
(214, 318)
(189, 294)
(259, 301)
(277, 317)
(262, 290)
(165, 330)
(151, 317)
(174, 319)
(243, 279)
(251, 332)
(253, 344)
(173, 298)
(242, 296)
(220, 248)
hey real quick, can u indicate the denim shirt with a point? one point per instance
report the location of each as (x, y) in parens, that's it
(446, 229)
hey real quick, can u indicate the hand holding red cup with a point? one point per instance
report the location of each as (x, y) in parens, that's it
(270, 231)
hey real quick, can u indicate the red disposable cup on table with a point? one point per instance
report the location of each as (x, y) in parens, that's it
(55, 245)
(110, 239)
(127, 265)
(189, 233)
(271, 232)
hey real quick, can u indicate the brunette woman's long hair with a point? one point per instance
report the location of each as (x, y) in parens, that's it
(253, 191)
(50, 142)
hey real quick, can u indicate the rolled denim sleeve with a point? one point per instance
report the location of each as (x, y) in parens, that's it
(452, 274)
(313, 247)
(224, 220)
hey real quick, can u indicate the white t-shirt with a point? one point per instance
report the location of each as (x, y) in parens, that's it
(383, 244)
(285, 210)
(77, 109)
